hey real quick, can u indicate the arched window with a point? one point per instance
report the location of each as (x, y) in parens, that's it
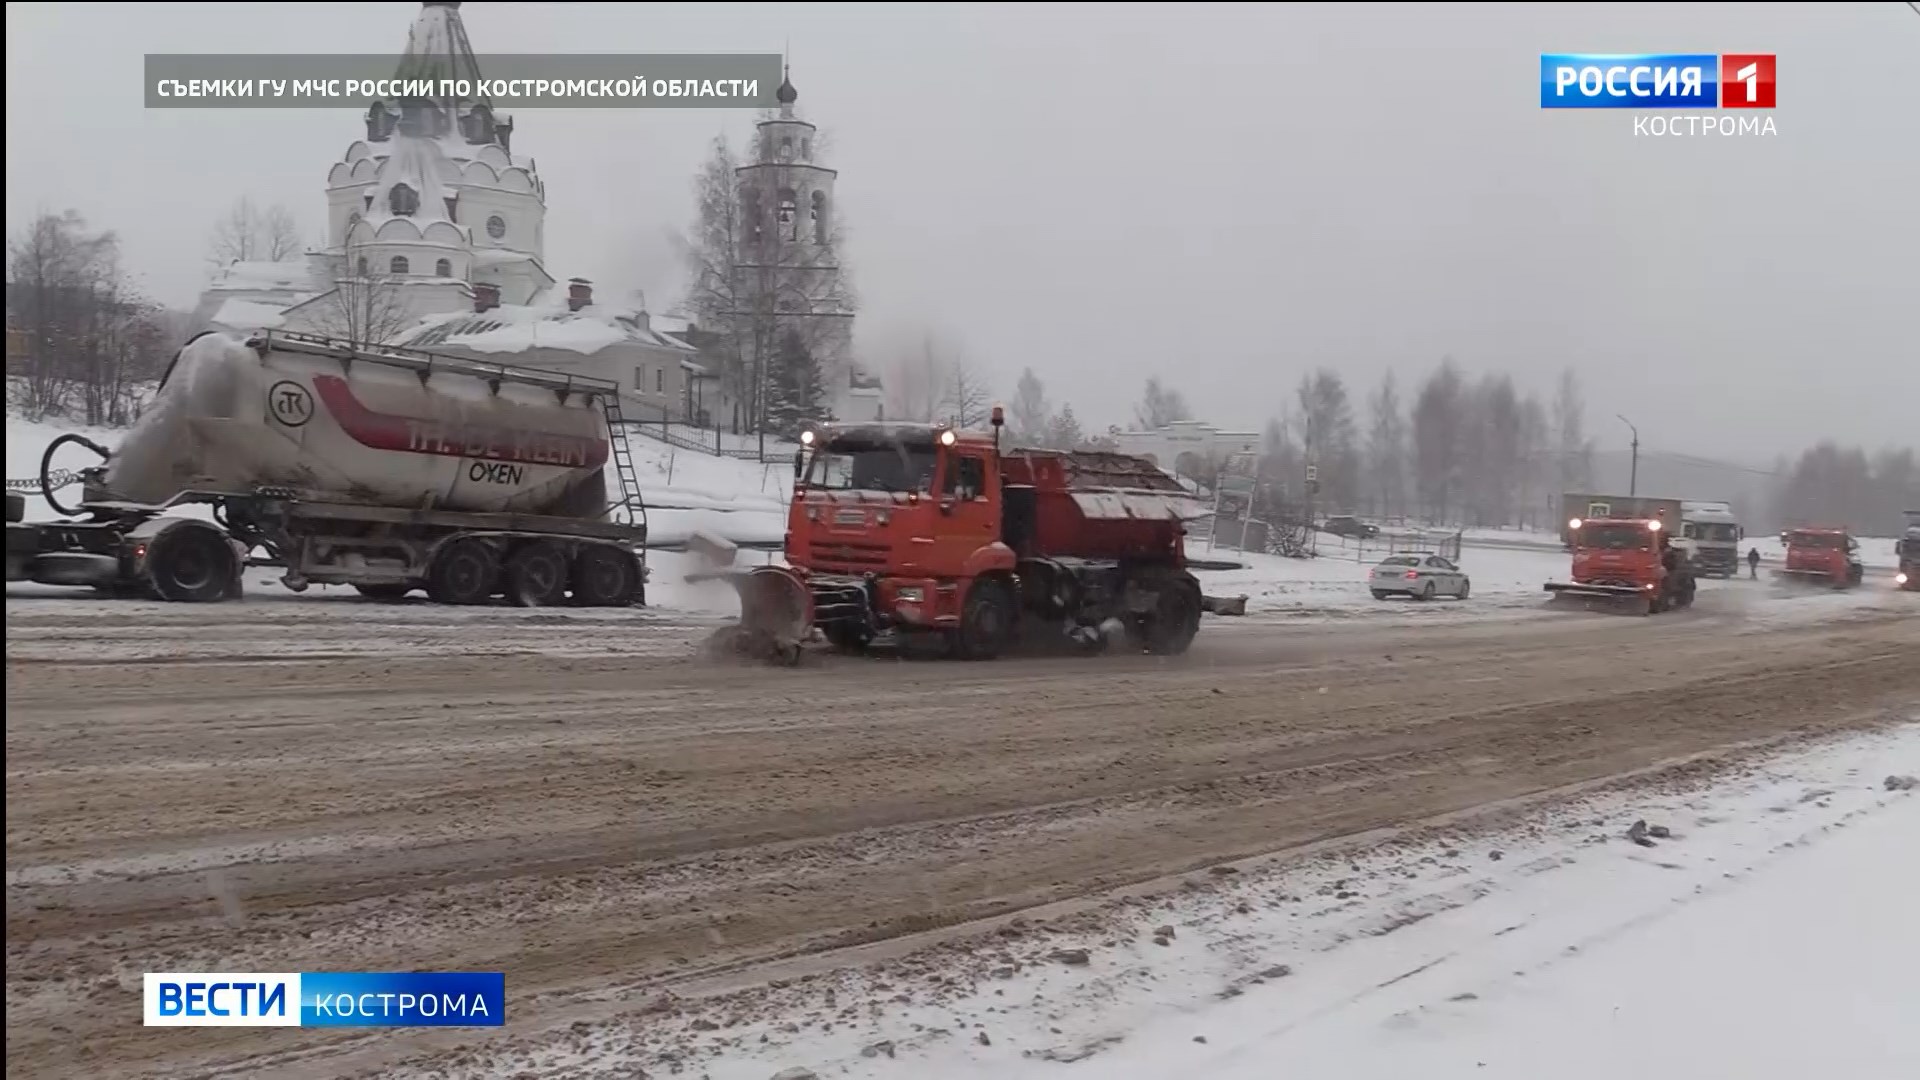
(806, 149)
(497, 227)
(820, 217)
(789, 216)
(786, 149)
(398, 265)
(443, 268)
(361, 269)
(403, 200)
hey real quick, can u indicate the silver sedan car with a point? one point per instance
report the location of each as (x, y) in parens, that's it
(1421, 577)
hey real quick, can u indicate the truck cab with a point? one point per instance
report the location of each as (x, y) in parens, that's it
(1713, 534)
(1828, 554)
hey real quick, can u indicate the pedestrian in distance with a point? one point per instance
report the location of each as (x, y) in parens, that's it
(1753, 563)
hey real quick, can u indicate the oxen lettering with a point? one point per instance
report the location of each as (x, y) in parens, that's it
(496, 472)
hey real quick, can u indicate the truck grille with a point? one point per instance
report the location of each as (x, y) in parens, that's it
(846, 556)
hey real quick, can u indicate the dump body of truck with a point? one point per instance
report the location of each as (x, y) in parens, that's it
(1822, 555)
(386, 469)
(921, 529)
(1631, 561)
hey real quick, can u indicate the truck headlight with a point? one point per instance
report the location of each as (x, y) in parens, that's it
(911, 594)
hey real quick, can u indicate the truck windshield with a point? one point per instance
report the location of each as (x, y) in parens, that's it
(1814, 540)
(1624, 537)
(1716, 532)
(866, 465)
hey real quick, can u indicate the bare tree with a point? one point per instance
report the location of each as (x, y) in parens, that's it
(56, 271)
(1330, 436)
(367, 305)
(966, 397)
(710, 252)
(1387, 449)
(919, 382)
(248, 234)
(1439, 415)
(1064, 432)
(1573, 449)
(1160, 406)
(1028, 412)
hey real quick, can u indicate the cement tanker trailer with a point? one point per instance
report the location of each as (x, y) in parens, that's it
(382, 468)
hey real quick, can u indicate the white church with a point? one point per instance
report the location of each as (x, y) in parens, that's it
(436, 238)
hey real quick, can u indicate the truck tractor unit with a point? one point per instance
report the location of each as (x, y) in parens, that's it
(1907, 549)
(918, 531)
(1713, 532)
(1821, 556)
(1627, 562)
(382, 468)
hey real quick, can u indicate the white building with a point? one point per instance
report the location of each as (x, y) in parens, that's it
(788, 272)
(1187, 447)
(436, 238)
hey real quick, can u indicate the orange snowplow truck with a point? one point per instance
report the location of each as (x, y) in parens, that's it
(1627, 561)
(1822, 556)
(926, 530)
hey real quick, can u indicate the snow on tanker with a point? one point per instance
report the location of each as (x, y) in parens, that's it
(383, 468)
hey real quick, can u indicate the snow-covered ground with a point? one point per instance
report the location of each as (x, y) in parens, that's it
(1762, 927)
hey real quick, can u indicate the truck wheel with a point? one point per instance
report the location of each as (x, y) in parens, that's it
(384, 592)
(1176, 619)
(463, 573)
(604, 576)
(537, 575)
(192, 565)
(984, 620)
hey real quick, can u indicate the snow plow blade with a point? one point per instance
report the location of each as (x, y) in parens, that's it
(776, 614)
(1224, 605)
(1617, 592)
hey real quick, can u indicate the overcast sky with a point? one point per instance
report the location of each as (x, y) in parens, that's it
(1223, 196)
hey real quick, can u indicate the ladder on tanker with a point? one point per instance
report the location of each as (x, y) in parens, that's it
(622, 453)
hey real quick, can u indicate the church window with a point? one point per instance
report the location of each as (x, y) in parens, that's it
(786, 149)
(361, 269)
(806, 149)
(443, 268)
(660, 380)
(496, 226)
(789, 216)
(404, 200)
(398, 265)
(820, 217)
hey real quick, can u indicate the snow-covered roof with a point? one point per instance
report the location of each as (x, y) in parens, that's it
(237, 314)
(515, 328)
(261, 277)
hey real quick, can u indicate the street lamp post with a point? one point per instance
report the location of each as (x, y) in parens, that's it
(1633, 474)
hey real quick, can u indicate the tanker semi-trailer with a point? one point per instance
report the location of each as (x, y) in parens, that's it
(383, 468)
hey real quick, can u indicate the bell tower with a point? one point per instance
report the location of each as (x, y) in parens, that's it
(790, 276)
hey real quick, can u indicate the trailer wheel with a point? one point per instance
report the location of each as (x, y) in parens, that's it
(1175, 620)
(985, 620)
(191, 564)
(537, 575)
(462, 573)
(604, 576)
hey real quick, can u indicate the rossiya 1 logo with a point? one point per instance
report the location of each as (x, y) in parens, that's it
(1723, 85)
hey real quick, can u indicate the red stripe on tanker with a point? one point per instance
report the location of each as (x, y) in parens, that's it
(418, 435)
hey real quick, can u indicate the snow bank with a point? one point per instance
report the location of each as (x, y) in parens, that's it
(1765, 931)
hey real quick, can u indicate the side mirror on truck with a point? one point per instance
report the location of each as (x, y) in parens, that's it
(799, 465)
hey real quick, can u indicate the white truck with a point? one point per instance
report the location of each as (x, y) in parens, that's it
(1713, 533)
